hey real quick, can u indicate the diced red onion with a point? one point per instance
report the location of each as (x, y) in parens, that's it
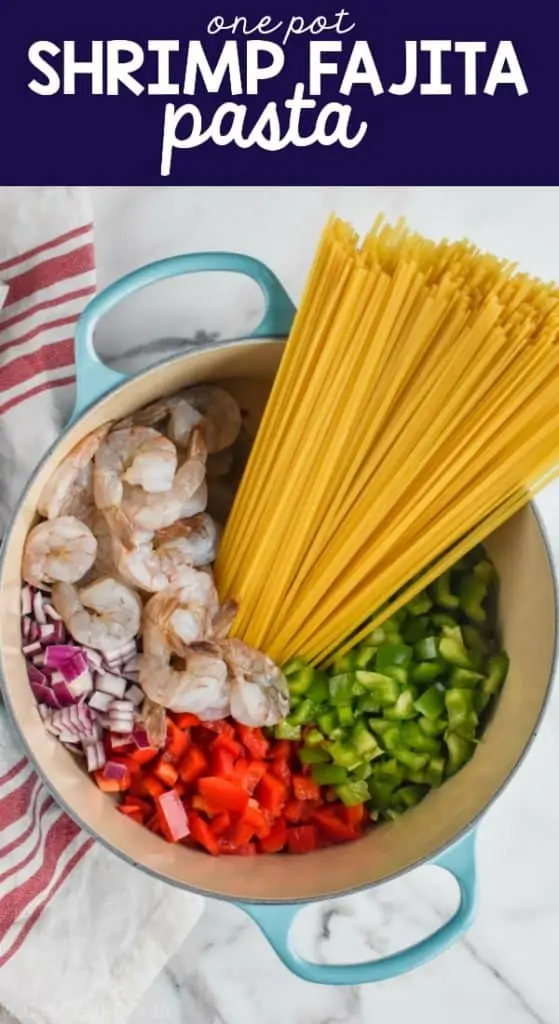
(99, 701)
(124, 727)
(104, 721)
(141, 737)
(44, 694)
(121, 705)
(25, 628)
(26, 600)
(109, 683)
(63, 695)
(57, 654)
(118, 740)
(114, 771)
(38, 611)
(96, 757)
(135, 695)
(38, 659)
(95, 658)
(34, 631)
(32, 648)
(47, 633)
(132, 665)
(51, 612)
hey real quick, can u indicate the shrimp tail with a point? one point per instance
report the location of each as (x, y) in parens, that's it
(155, 720)
(224, 619)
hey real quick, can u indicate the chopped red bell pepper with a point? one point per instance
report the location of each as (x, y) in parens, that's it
(202, 833)
(276, 839)
(165, 772)
(225, 742)
(143, 755)
(153, 787)
(254, 741)
(354, 816)
(132, 812)
(138, 804)
(224, 794)
(221, 823)
(185, 720)
(305, 789)
(227, 847)
(279, 767)
(199, 803)
(334, 828)
(177, 743)
(219, 726)
(112, 785)
(249, 773)
(193, 764)
(302, 839)
(282, 749)
(272, 794)
(223, 763)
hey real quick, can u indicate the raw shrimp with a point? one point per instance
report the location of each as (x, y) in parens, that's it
(104, 615)
(139, 456)
(259, 694)
(58, 549)
(195, 540)
(99, 524)
(220, 412)
(69, 490)
(200, 687)
(153, 413)
(185, 614)
(186, 498)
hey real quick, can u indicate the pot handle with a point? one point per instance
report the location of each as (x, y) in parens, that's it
(94, 379)
(276, 920)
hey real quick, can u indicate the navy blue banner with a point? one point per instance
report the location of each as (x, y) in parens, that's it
(291, 93)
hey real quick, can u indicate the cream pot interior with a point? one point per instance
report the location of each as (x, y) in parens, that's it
(527, 614)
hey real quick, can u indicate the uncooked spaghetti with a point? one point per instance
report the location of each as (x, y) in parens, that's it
(415, 409)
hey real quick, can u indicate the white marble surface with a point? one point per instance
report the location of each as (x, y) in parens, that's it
(505, 970)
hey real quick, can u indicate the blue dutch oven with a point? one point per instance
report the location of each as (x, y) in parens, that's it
(273, 889)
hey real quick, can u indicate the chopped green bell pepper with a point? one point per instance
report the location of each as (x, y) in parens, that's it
(300, 681)
(365, 656)
(410, 758)
(314, 738)
(417, 629)
(461, 709)
(353, 793)
(389, 655)
(427, 649)
(453, 651)
(364, 741)
(403, 708)
(415, 738)
(363, 771)
(420, 604)
(303, 714)
(460, 751)
(442, 619)
(286, 730)
(319, 690)
(427, 671)
(442, 592)
(345, 715)
(485, 571)
(341, 688)
(432, 726)
(409, 796)
(431, 702)
(313, 755)
(295, 665)
(344, 754)
(329, 774)
(434, 771)
(464, 679)
(472, 593)
(327, 722)
(384, 689)
(497, 669)
(344, 662)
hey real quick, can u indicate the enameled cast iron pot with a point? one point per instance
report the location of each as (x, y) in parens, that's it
(273, 889)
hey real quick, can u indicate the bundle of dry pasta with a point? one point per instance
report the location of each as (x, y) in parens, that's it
(416, 408)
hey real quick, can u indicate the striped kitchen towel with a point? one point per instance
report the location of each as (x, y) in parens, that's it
(82, 934)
